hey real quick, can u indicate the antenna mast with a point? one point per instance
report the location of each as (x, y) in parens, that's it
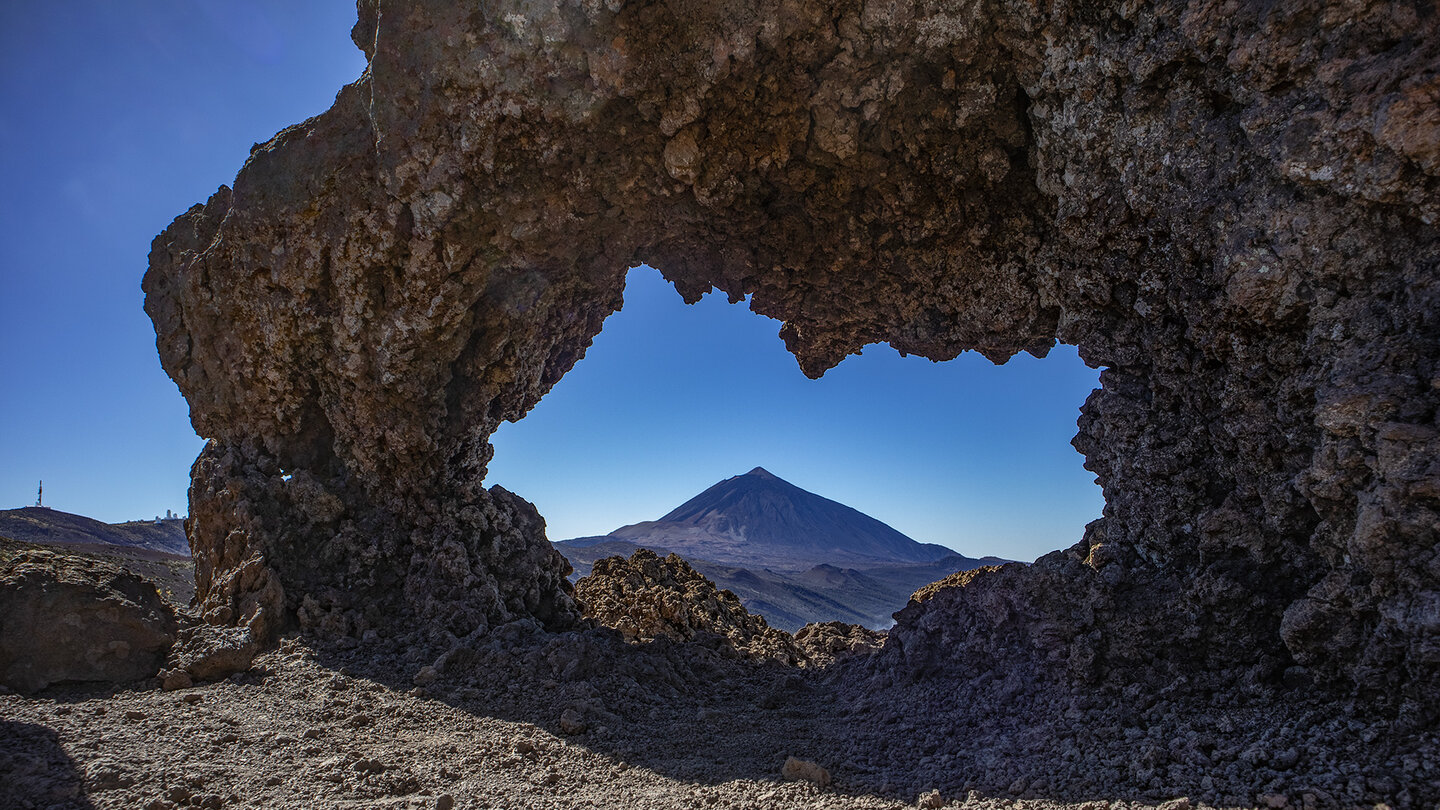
(40, 495)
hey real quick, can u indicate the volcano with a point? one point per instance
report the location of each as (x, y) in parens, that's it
(759, 520)
(792, 555)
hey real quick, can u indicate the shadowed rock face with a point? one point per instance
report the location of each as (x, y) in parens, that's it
(1230, 207)
(66, 618)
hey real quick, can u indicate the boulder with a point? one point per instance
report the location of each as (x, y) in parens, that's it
(207, 652)
(68, 618)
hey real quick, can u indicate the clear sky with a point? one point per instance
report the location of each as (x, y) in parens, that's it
(672, 398)
(114, 118)
(117, 116)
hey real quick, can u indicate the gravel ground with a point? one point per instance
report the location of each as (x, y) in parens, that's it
(523, 719)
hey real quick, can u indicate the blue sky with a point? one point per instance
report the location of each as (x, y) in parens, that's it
(672, 398)
(116, 117)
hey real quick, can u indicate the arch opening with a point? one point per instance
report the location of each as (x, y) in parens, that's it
(388, 282)
(671, 398)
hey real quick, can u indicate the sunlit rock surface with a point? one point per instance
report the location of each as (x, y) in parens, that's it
(1230, 207)
(647, 597)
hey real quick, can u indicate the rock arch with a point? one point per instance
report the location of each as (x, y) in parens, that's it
(1230, 207)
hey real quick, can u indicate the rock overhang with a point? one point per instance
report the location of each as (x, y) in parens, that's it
(389, 281)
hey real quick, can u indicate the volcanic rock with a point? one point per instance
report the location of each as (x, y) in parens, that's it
(206, 652)
(647, 597)
(1230, 208)
(825, 642)
(806, 770)
(69, 618)
(572, 722)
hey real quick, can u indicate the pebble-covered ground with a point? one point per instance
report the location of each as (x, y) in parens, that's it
(523, 719)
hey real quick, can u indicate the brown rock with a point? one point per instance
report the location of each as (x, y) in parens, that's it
(68, 618)
(572, 722)
(1237, 224)
(172, 679)
(646, 597)
(802, 769)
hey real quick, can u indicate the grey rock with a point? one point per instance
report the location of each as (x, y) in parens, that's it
(207, 652)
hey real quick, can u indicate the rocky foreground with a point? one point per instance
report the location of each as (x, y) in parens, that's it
(690, 702)
(522, 718)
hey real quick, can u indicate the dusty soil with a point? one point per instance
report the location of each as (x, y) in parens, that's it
(521, 718)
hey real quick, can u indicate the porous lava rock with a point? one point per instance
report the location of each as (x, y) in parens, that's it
(823, 643)
(68, 618)
(204, 652)
(647, 597)
(1229, 207)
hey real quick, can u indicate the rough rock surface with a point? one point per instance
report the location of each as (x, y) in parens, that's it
(668, 725)
(825, 642)
(1229, 206)
(205, 652)
(67, 618)
(648, 597)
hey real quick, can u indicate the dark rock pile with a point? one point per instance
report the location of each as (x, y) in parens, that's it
(823, 643)
(647, 597)
(1230, 208)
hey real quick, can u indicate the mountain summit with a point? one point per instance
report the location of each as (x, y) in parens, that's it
(761, 520)
(790, 555)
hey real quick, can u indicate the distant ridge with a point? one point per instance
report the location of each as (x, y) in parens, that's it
(789, 554)
(34, 524)
(760, 519)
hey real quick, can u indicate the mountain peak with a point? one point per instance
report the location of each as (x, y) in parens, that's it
(759, 519)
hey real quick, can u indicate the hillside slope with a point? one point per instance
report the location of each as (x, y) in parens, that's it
(34, 524)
